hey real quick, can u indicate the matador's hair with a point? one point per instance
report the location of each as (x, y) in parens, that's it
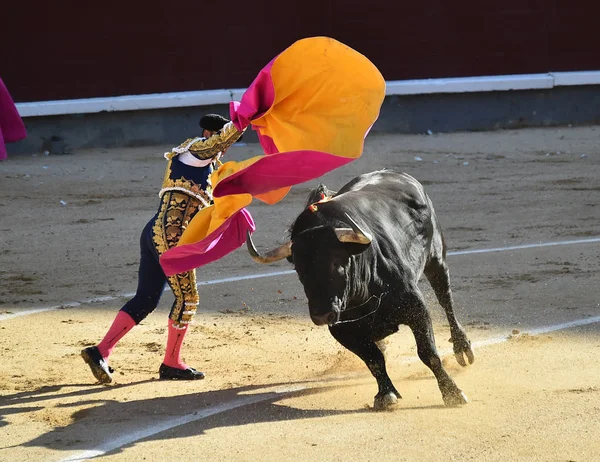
(213, 122)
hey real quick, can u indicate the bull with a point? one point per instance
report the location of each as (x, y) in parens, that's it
(359, 254)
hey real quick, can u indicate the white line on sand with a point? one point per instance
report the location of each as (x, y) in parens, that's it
(283, 273)
(152, 430)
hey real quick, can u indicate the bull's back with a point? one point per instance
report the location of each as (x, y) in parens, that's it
(384, 190)
(396, 209)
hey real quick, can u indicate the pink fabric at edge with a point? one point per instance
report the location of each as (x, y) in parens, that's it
(11, 125)
(278, 171)
(226, 238)
(257, 99)
(267, 143)
(3, 153)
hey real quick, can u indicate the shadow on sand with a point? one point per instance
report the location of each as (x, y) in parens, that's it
(109, 426)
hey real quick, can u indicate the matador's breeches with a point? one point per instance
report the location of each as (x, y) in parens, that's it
(176, 211)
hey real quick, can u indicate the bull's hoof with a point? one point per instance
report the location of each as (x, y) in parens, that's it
(455, 399)
(462, 348)
(383, 402)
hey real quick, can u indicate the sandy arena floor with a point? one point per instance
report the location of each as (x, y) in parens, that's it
(278, 387)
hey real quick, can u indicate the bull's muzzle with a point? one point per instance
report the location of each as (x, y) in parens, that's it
(325, 312)
(328, 319)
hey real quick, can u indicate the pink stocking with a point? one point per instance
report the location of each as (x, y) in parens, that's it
(174, 342)
(122, 324)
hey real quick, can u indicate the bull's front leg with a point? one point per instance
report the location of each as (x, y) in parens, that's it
(438, 274)
(367, 350)
(419, 321)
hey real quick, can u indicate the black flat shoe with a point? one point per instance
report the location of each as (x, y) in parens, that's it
(100, 369)
(172, 373)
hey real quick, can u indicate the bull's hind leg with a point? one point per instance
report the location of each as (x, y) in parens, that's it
(373, 357)
(420, 323)
(438, 275)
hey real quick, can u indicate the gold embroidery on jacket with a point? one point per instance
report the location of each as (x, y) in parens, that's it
(205, 148)
(183, 147)
(182, 184)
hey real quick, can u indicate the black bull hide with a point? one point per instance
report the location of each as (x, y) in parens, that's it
(359, 253)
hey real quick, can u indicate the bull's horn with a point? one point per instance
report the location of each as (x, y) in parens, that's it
(354, 235)
(281, 252)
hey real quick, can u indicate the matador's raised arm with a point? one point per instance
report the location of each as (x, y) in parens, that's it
(205, 148)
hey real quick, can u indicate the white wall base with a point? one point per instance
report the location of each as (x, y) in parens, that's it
(397, 87)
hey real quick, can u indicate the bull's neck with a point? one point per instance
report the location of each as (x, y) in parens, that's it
(359, 281)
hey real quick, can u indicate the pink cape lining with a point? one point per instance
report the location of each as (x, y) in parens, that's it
(11, 125)
(278, 171)
(256, 100)
(223, 240)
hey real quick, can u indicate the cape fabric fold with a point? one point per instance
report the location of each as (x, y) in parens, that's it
(312, 107)
(11, 125)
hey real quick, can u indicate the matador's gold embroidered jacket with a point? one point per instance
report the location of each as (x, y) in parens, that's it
(195, 180)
